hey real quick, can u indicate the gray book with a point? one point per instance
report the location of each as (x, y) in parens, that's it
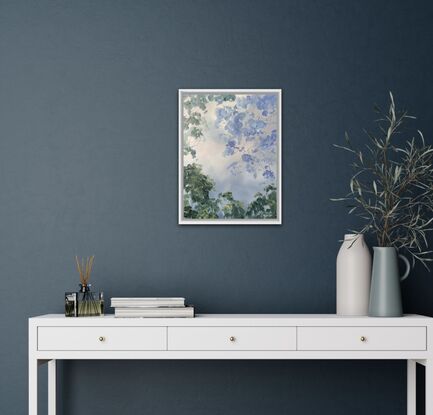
(138, 302)
(154, 312)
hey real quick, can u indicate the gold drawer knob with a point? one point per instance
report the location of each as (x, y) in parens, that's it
(363, 339)
(232, 338)
(102, 339)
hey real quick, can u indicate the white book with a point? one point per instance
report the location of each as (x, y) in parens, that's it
(168, 312)
(148, 302)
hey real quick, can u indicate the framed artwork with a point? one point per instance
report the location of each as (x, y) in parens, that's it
(230, 157)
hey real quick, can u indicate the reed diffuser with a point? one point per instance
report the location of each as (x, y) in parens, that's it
(84, 303)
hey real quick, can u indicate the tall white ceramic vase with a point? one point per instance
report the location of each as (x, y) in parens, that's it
(353, 276)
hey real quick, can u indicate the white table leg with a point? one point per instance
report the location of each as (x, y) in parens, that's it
(411, 387)
(33, 386)
(429, 387)
(52, 387)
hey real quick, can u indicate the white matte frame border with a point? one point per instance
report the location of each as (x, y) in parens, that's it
(181, 219)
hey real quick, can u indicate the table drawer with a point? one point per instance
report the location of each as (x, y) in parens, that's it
(231, 338)
(362, 338)
(102, 338)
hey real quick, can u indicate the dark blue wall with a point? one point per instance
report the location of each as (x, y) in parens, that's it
(88, 164)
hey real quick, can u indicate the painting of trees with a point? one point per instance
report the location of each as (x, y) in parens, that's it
(230, 149)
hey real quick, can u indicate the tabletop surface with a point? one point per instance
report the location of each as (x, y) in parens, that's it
(244, 316)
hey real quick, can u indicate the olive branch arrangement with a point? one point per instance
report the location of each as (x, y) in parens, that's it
(84, 269)
(392, 186)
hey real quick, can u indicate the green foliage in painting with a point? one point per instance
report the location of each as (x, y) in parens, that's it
(232, 209)
(192, 119)
(188, 149)
(221, 98)
(264, 206)
(196, 132)
(197, 202)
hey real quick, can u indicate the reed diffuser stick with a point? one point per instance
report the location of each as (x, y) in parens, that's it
(84, 269)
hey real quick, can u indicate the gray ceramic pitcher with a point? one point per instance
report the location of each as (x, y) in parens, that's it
(385, 293)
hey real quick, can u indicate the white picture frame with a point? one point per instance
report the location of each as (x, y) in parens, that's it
(254, 94)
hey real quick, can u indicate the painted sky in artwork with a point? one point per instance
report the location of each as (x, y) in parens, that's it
(238, 147)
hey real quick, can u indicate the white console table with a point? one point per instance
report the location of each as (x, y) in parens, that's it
(231, 336)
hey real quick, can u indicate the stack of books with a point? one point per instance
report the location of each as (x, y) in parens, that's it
(151, 307)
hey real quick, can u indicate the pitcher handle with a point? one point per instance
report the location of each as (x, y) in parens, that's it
(406, 261)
